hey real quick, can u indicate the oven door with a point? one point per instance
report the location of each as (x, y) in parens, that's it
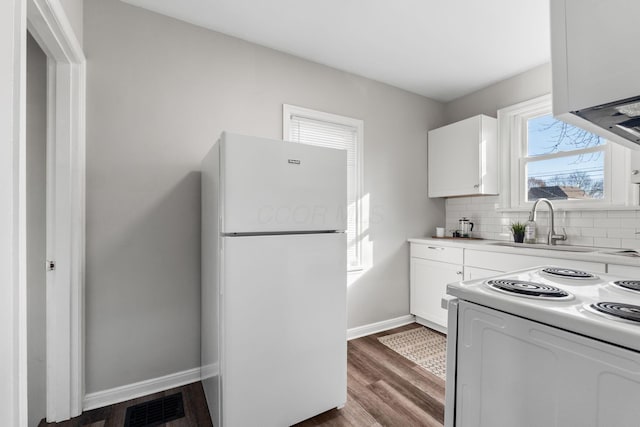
(451, 304)
(511, 371)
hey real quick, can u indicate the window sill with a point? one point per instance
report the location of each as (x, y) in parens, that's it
(574, 208)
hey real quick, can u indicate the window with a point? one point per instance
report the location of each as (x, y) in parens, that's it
(551, 159)
(562, 162)
(330, 130)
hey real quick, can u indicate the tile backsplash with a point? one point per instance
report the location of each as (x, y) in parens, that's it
(602, 228)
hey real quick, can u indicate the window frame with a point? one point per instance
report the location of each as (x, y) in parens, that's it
(512, 130)
(292, 110)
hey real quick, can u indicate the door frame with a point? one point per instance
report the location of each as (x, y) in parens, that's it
(13, 291)
(66, 80)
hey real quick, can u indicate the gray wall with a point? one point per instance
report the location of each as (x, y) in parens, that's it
(528, 85)
(36, 143)
(159, 93)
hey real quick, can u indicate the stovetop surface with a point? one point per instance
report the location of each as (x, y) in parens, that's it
(574, 308)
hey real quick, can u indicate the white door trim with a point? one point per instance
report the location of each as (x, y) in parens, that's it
(13, 296)
(66, 74)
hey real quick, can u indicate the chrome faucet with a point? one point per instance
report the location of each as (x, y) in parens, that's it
(552, 237)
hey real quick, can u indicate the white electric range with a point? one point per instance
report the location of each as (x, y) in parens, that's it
(547, 346)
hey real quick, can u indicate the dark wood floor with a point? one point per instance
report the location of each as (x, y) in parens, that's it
(196, 412)
(383, 389)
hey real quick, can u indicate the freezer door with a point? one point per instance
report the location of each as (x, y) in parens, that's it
(284, 347)
(276, 186)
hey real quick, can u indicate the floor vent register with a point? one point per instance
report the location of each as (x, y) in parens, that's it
(155, 412)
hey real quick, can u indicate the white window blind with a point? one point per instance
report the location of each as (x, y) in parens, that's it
(323, 131)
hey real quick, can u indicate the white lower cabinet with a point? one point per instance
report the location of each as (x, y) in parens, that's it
(432, 268)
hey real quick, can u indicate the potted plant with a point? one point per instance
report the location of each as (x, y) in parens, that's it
(517, 229)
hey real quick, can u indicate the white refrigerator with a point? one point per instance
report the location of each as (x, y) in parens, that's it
(274, 349)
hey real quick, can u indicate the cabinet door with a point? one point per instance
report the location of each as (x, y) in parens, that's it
(463, 158)
(592, 82)
(454, 159)
(429, 281)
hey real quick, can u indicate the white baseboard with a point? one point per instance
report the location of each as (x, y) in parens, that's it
(208, 371)
(142, 388)
(373, 328)
(154, 385)
(431, 325)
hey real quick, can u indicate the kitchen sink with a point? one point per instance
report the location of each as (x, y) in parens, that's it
(564, 248)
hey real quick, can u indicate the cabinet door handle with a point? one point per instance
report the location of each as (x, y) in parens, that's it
(476, 186)
(459, 273)
(435, 248)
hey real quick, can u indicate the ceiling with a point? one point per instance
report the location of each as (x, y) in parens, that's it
(442, 49)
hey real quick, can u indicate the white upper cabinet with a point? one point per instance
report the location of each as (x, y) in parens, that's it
(592, 49)
(463, 158)
(594, 61)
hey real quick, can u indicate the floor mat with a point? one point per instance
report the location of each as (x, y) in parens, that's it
(421, 345)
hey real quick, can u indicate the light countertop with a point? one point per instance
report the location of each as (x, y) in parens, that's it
(602, 255)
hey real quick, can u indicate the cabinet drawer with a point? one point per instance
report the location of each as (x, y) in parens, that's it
(510, 262)
(437, 253)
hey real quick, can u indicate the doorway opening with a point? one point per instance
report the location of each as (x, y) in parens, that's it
(36, 202)
(59, 177)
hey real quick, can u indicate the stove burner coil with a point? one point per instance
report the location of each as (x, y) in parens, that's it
(619, 309)
(633, 285)
(568, 273)
(530, 289)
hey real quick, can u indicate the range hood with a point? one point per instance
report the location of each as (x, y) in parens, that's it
(595, 70)
(621, 118)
